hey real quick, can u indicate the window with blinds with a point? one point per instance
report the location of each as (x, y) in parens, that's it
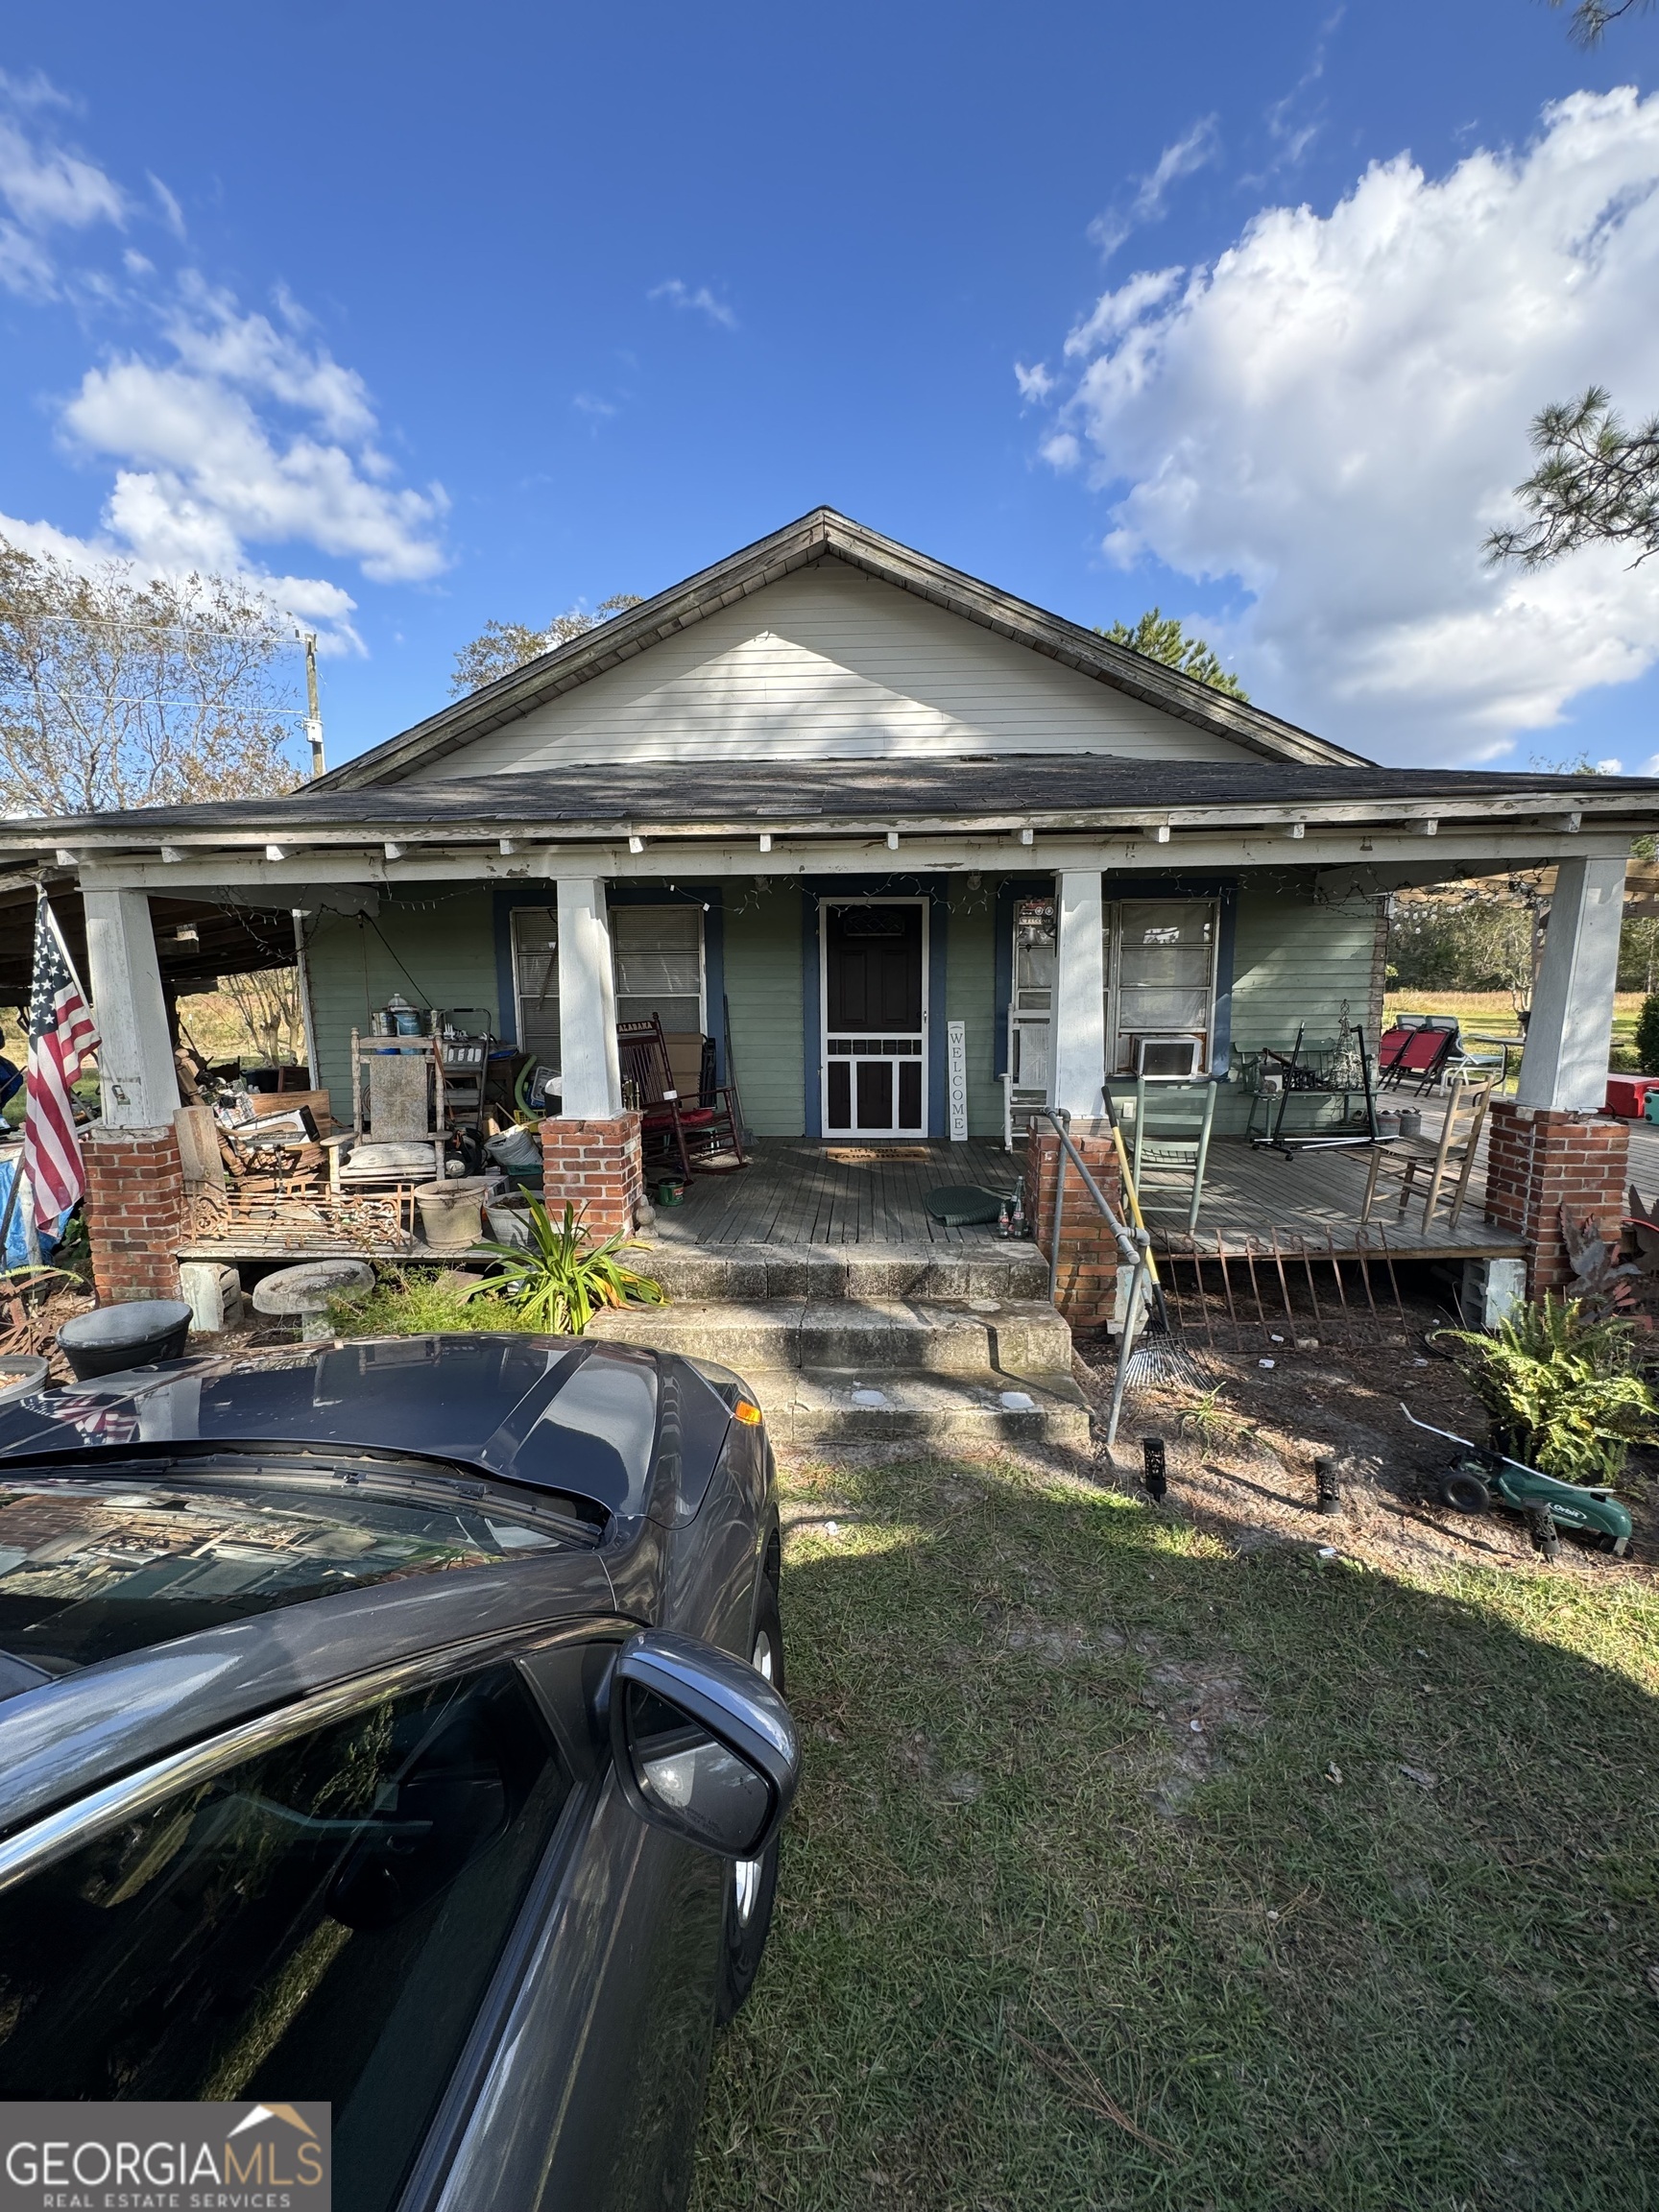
(1161, 984)
(658, 955)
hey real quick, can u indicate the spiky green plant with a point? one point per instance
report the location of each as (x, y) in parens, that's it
(558, 1281)
(1562, 1388)
(421, 1302)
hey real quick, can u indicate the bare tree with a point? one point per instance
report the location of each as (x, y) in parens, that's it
(500, 647)
(268, 1002)
(116, 691)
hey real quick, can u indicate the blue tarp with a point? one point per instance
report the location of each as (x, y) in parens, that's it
(17, 1253)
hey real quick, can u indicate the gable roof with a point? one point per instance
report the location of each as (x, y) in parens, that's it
(824, 535)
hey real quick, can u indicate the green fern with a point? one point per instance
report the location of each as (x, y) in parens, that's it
(1562, 1388)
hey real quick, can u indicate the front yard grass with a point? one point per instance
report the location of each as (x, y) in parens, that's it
(1134, 1866)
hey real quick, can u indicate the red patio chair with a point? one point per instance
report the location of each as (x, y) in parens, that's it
(1413, 1057)
(692, 1135)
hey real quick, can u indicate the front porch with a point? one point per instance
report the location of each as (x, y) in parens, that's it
(796, 1191)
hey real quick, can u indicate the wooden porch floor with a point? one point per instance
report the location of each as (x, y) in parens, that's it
(796, 1193)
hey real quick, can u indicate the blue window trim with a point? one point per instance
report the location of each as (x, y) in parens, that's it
(936, 890)
(632, 893)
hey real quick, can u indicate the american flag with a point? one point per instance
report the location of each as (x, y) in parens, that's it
(61, 1040)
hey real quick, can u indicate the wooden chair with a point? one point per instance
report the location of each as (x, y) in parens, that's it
(1169, 1160)
(1452, 1153)
(690, 1136)
(396, 1101)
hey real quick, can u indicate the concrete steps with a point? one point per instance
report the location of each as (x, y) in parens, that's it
(872, 1343)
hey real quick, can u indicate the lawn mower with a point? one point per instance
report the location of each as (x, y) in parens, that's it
(1477, 1479)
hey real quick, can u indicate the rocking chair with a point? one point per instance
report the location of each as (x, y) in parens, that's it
(674, 1133)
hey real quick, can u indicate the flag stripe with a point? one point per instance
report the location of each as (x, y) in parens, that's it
(63, 1039)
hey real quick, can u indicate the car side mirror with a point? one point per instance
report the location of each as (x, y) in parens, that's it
(704, 1746)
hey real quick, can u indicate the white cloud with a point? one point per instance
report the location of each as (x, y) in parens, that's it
(44, 188)
(1195, 149)
(172, 214)
(1333, 411)
(681, 295)
(1035, 384)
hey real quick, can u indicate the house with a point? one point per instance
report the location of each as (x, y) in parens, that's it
(829, 805)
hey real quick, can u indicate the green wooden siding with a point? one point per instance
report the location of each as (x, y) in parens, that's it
(970, 998)
(445, 956)
(1295, 960)
(763, 926)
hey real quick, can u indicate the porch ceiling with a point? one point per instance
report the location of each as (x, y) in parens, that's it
(229, 939)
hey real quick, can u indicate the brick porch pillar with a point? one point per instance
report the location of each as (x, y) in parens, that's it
(134, 1211)
(1539, 1159)
(594, 1165)
(1086, 1290)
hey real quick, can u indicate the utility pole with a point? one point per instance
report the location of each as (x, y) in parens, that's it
(313, 711)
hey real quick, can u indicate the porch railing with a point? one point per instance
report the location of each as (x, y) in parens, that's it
(1134, 1249)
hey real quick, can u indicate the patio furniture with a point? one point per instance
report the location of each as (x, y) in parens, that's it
(1447, 1161)
(398, 1122)
(1170, 1159)
(674, 1133)
(1415, 1052)
(1341, 1070)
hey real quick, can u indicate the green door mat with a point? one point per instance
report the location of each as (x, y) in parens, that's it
(961, 1205)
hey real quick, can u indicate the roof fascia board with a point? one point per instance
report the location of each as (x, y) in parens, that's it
(753, 570)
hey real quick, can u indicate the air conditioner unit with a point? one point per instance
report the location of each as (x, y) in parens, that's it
(1168, 1055)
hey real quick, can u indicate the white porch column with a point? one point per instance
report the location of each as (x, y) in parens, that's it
(1079, 996)
(1564, 1066)
(140, 1085)
(592, 1082)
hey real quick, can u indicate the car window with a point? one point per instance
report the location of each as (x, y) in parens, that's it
(92, 1569)
(318, 1922)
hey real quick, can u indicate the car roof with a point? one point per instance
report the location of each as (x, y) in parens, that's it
(549, 1411)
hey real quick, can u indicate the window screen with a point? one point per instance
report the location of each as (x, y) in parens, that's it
(1163, 961)
(318, 1922)
(659, 955)
(536, 967)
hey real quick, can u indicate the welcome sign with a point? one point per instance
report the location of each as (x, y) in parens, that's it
(164, 2157)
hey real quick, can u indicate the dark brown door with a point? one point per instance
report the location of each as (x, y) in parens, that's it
(873, 1029)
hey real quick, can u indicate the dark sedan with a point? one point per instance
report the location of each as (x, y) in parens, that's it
(394, 1724)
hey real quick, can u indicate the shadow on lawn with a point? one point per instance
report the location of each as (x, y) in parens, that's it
(1131, 1870)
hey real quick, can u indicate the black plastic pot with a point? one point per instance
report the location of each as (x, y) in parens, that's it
(115, 1337)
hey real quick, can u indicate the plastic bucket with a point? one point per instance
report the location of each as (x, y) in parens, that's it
(452, 1214)
(115, 1337)
(21, 1372)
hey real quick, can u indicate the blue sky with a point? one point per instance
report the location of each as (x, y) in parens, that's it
(456, 314)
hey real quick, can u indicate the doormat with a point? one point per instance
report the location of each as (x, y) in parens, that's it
(870, 1155)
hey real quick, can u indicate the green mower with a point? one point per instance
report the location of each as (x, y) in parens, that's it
(1477, 1480)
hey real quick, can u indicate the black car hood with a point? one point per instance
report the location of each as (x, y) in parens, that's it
(572, 1417)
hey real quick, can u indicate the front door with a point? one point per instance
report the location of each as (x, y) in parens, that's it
(874, 954)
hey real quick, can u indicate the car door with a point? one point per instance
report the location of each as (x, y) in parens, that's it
(311, 1910)
(601, 2053)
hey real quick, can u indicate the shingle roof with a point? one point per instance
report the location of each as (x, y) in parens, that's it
(1069, 790)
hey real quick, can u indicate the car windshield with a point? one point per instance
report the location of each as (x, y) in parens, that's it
(93, 1567)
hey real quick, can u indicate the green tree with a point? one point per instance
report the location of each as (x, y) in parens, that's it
(1160, 637)
(1591, 18)
(500, 647)
(116, 691)
(1648, 1034)
(1597, 482)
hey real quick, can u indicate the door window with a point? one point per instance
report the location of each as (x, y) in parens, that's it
(319, 1922)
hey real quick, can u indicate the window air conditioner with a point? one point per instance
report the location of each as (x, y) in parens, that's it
(1168, 1055)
